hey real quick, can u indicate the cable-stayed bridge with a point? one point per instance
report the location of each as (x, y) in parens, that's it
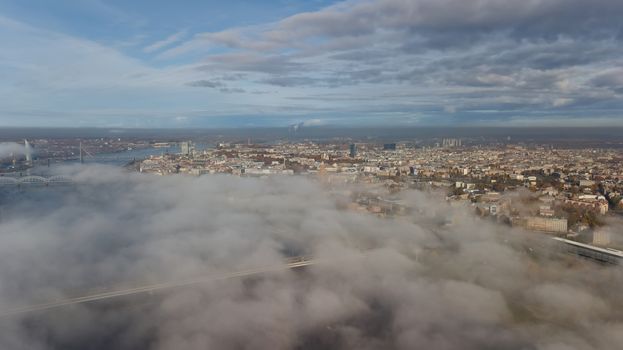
(290, 264)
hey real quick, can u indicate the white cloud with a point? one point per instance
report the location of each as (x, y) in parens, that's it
(11, 148)
(560, 102)
(168, 41)
(471, 281)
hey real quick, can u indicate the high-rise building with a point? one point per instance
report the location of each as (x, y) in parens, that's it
(353, 150)
(451, 143)
(389, 147)
(186, 148)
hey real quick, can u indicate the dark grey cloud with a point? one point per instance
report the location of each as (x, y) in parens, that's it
(289, 81)
(206, 83)
(370, 56)
(611, 80)
(535, 19)
(215, 84)
(432, 19)
(539, 54)
(232, 90)
(247, 62)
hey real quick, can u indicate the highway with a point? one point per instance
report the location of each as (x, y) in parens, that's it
(294, 264)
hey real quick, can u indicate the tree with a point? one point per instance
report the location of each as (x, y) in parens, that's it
(613, 201)
(591, 219)
(456, 191)
(574, 216)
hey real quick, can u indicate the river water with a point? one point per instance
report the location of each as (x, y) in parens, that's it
(124, 157)
(114, 159)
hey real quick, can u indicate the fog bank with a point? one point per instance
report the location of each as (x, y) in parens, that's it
(437, 279)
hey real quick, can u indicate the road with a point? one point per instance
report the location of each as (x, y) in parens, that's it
(158, 287)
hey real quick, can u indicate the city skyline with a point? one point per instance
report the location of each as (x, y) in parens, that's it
(278, 63)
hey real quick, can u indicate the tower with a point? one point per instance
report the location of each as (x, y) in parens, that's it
(353, 150)
(81, 156)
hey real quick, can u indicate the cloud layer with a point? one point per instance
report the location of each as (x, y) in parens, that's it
(424, 283)
(8, 149)
(373, 62)
(544, 57)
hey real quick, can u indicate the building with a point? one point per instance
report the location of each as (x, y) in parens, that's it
(451, 143)
(493, 209)
(186, 148)
(586, 183)
(546, 210)
(389, 147)
(599, 206)
(161, 145)
(353, 150)
(546, 224)
(601, 237)
(587, 251)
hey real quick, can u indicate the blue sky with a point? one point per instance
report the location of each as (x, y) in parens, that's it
(272, 63)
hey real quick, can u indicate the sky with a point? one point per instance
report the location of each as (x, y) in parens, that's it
(278, 62)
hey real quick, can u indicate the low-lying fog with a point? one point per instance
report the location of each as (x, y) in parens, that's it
(413, 282)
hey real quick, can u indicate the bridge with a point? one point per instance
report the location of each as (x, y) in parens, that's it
(290, 264)
(34, 180)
